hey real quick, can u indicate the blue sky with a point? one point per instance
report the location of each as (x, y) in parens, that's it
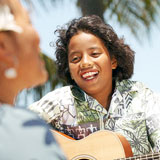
(147, 58)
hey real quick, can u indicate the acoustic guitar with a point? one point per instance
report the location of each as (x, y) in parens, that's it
(100, 145)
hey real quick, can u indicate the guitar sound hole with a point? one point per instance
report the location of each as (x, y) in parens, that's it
(84, 157)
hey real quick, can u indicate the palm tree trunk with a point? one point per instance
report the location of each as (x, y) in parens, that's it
(89, 7)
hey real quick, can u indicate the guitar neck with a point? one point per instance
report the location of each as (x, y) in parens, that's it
(150, 156)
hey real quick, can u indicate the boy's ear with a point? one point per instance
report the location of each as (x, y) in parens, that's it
(71, 76)
(114, 63)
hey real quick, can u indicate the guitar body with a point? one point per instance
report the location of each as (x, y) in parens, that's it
(100, 145)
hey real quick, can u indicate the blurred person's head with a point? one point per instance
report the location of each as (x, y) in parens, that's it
(20, 64)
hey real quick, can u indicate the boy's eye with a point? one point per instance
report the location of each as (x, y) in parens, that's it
(95, 54)
(75, 59)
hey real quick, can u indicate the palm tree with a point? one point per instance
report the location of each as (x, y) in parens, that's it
(137, 15)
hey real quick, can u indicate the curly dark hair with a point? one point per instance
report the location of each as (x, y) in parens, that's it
(94, 25)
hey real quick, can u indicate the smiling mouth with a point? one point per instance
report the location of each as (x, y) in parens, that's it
(90, 75)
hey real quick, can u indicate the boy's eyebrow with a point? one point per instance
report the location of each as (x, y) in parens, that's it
(72, 53)
(94, 48)
(75, 52)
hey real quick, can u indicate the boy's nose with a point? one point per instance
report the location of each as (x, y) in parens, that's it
(86, 65)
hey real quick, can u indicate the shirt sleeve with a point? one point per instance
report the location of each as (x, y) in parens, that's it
(153, 120)
(48, 107)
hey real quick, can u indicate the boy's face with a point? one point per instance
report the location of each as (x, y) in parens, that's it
(90, 64)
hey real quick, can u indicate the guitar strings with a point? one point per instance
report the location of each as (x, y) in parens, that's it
(143, 157)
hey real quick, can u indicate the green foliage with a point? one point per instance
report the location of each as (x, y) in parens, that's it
(53, 79)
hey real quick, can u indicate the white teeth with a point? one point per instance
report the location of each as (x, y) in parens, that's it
(89, 74)
(90, 77)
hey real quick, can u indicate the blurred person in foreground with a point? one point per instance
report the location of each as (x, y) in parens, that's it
(23, 135)
(98, 66)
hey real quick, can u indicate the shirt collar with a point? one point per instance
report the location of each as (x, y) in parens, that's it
(121, 89)
(126, 86)
(84, 97)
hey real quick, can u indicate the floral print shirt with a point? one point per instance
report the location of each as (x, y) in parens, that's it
(134, 112)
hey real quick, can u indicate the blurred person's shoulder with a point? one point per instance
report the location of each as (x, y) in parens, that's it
(20, 128)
